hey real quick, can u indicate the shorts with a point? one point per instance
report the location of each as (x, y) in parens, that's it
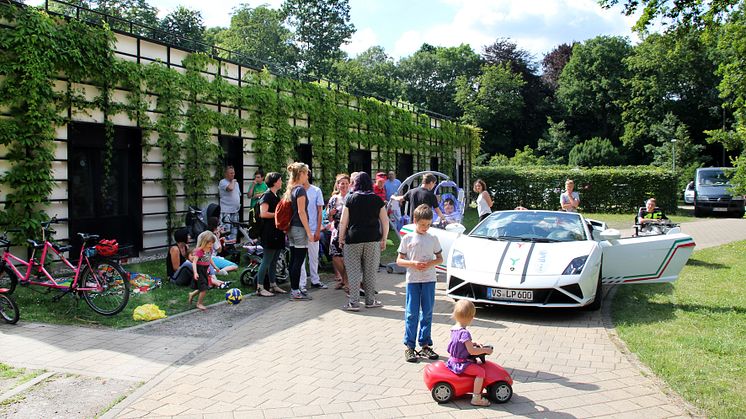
(335, 250)
(222, 262)
(201, 283)
(297, 237)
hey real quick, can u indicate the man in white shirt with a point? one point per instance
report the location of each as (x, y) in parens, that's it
(230, 200)
(315, 208)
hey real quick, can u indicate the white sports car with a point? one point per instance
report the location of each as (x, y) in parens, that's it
(552, 259)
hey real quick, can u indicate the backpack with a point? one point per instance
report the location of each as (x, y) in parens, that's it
(256, 223)
(283, 215)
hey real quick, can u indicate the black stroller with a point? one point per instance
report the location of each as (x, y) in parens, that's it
(196, 219)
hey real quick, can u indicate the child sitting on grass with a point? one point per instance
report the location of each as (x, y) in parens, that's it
(461, 347)
(201, 261)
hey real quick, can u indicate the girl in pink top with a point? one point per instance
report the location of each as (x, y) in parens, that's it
(201, 261)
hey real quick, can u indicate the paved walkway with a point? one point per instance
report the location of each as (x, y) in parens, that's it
(311, 359)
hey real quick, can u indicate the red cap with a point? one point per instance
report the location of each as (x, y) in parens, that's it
(380, 175)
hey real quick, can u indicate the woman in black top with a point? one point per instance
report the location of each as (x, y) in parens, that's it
(273, 240)
(177, 258)
(363, 231)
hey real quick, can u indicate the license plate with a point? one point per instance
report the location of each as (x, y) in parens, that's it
(720, 209)
(511, 295)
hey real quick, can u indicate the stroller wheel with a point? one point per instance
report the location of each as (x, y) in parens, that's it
(248, 275)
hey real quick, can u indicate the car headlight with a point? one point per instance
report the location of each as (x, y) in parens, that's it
(575, 267)
(457, 260)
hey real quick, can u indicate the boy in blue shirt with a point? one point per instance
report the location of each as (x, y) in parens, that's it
(419, 252)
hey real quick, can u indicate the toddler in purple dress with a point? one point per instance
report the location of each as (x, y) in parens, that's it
(461, 347)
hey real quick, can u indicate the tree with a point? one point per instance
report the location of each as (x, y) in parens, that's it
(183, 27)
(680, 12)
(556, 143)
(429, 76)
(688, 156)
(724, 23)
(553, 64)
(590, 87)
(137, 11)
(258, 34)
(673, 74)
(321, 27)
(594, 152)
(491, 101)
(372, 73)
(526, 129)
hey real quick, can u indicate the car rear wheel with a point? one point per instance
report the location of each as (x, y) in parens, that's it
(442, 392)
(500, 392)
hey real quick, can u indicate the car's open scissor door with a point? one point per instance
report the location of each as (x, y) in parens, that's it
(644, 260)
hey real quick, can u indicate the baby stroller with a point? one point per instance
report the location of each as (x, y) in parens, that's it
(448, 187)
(255, 252)
(196, 219)
(448, 191)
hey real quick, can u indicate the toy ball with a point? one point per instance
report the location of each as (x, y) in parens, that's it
(233, 296)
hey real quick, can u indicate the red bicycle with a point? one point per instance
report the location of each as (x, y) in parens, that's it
(100, 281)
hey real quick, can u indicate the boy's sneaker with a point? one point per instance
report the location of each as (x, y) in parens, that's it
(428, 353)
(410, 355)
(319, 286)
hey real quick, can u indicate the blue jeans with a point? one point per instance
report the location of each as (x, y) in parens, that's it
(419, 307)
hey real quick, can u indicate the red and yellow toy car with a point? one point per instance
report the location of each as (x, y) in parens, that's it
(444, 385)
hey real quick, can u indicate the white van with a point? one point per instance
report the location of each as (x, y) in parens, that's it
(712, 193)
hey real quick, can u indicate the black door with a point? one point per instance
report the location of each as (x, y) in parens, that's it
(110, 206)
(359, 161)
(434, 164)
(305, 154)
(404, 166)
(233, 156)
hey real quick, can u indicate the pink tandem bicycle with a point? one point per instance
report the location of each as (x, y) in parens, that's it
(99, 280)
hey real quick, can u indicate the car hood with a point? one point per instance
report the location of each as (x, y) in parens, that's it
(517, 258)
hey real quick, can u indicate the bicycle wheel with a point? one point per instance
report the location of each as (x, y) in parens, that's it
(248, 275)
(8, 280)
(283, 266)
(9, 309)
(114, 283)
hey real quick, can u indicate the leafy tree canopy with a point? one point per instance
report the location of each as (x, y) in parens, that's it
(258, 33)
(430, 76)
(590, 86)
(594, 152)
(556, 143)
(321, 27)
(183, 27)
(372, 72)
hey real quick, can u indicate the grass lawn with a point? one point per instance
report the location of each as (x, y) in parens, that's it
(12, 377)
(626, 221)
(35, 303)
(692, 333)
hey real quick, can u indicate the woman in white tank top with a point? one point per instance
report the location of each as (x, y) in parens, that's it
(484, 201)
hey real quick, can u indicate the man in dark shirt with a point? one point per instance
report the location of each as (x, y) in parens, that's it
(421, 195)
(650, 213)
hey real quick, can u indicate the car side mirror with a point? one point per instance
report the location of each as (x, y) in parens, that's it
(610, 234)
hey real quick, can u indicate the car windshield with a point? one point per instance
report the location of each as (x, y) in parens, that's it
(714, 178)
(536, 226)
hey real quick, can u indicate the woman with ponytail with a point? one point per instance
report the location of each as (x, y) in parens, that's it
(299, 232)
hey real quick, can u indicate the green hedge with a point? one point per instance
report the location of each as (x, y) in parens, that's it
(602, 189)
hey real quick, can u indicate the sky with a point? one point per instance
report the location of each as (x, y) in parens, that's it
(402, 26)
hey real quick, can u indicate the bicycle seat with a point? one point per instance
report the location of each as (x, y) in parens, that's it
(61, 249)
(85, 237)
(35, 244)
